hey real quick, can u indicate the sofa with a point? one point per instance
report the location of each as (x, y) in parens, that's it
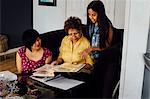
(52, 41)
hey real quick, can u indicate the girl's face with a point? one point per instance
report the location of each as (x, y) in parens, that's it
(37, 44)
(74, 34)
(92, 15)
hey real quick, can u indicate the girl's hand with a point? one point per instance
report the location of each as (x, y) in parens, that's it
(88, 66)
(86, 52)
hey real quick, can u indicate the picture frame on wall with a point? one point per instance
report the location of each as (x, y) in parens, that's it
(47, 2)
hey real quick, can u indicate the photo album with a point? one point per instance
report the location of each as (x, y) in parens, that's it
(48, 70)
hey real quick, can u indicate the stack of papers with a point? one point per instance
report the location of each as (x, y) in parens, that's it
(60, 82)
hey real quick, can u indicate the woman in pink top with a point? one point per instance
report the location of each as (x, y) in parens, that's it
(31, 55)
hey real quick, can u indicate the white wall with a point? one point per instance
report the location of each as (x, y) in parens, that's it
(77, 8)
(48, 18)
(115, 10)
(119, 13)
(135, 41)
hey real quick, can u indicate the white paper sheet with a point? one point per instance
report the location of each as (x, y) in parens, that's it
(7, 75)
(61, 82)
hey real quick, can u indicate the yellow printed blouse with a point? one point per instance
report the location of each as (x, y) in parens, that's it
(72, 54)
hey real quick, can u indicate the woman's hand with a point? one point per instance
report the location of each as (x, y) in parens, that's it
(54, 63)
(88, 66)
(58, 61)
(86, 52)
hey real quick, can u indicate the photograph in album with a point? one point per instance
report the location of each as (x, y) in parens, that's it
(68, 67)
(44, 71)
(49, 70)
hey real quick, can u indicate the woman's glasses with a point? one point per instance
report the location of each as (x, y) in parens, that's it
(72, 34)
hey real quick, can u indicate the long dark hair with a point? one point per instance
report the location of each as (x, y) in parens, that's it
(103, 21)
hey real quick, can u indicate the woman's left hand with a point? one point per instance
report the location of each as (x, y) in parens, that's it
(88, 66)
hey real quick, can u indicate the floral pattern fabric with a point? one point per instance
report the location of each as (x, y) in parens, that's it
(29, 65)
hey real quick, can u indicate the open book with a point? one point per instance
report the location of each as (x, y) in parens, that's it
(44, 71)
(68, 67)
(48, 70)
(45, 74)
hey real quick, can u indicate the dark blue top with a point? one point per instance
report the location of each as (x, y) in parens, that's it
(114, 51)
(95, 36)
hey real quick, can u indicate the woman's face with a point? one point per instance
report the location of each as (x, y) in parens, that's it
(92, 15)
(37, 44)
(74, 34)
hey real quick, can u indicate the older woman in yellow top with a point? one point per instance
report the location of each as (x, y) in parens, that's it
(73, 44)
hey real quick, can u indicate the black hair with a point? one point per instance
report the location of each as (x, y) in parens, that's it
(29, 38)
(103, 21)
(73, 23)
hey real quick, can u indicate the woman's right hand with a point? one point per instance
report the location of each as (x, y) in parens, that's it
(54, 63)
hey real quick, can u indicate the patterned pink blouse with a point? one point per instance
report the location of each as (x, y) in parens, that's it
(29, 65)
